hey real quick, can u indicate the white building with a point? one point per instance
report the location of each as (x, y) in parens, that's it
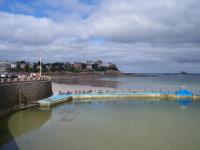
(99, 63)
(13, 66)
(4, 66)
(89, 65)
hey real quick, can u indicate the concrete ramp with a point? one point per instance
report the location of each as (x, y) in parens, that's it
(55, 99)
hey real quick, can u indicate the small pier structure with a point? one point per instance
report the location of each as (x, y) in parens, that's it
(60, 98)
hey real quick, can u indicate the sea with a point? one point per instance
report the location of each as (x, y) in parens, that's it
(157, 82)
(135, 124)
(115, 124)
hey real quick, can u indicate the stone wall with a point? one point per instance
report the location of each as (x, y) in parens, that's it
(12, 93)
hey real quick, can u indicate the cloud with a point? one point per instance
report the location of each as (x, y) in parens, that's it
(37, 31)
(148, 21)
(139, 36)
(26, 29)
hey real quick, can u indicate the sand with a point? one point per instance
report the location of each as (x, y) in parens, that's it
(85, 80)
(64, 87)
(56, 87)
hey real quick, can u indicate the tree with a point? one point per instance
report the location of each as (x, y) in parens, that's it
(27, 69)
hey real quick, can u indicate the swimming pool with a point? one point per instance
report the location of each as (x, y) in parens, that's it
(105, 125)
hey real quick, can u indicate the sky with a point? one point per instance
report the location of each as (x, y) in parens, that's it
(138, 35)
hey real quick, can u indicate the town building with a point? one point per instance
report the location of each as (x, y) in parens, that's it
(22, 64)
(13, 66)
(4, 66)
(99, 63)
(67, 65)
(48, 66)
(89, 65)
(83, 66)
(30, 65)
(77, 65)
(112, 66)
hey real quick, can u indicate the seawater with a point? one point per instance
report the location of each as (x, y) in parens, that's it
(105, 125)
(159, 81)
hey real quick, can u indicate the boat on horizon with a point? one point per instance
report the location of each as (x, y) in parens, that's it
(183, 72)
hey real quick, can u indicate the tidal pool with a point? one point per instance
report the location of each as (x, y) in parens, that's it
(105, 125)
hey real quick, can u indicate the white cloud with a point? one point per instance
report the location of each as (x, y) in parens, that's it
(141, 36)
(147, 21)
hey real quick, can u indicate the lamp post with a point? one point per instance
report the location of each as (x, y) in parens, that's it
(40, 63)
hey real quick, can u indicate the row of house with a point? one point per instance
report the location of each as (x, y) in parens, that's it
(93, 65)
(80, 66)
(83, 66)
(89, 65)
(6, 65)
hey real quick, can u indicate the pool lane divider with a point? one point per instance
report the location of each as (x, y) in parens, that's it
(58, 99)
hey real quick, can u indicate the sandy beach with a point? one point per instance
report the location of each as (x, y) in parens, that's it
(85, 80)
(95, 83)
(82, 82)
(56, 87)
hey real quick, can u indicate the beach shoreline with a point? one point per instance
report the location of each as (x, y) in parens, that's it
(85, 80)
(161, 83)
(63, 87)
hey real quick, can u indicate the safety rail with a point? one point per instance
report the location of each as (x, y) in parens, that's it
(12, 80)
(110, 91)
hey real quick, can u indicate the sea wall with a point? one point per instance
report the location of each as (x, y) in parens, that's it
(61, 98)
(12, 93)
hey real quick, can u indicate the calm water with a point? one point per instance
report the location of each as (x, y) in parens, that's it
(161, 81)
(105, 125)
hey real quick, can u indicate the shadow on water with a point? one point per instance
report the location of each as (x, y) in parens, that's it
(19, 123)
(5, 135)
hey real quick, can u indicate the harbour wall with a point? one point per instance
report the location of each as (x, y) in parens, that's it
(12, 94)
(58, 99)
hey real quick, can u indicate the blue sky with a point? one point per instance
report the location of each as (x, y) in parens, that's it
(137, 35)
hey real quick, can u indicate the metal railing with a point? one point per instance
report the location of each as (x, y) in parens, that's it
(110, 91)
(13, 80)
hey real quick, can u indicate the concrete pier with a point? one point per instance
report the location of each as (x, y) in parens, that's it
(57, 99)
(54, 100)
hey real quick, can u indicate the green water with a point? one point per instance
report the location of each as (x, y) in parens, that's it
(105, 125)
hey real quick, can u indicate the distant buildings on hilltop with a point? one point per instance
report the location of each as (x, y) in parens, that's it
(6, 65)
(24, 66)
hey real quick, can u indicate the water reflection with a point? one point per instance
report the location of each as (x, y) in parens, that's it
(184, 103)
(66, 112)
(20, 123)
(117, 123)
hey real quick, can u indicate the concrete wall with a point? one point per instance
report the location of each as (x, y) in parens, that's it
(26, 91)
